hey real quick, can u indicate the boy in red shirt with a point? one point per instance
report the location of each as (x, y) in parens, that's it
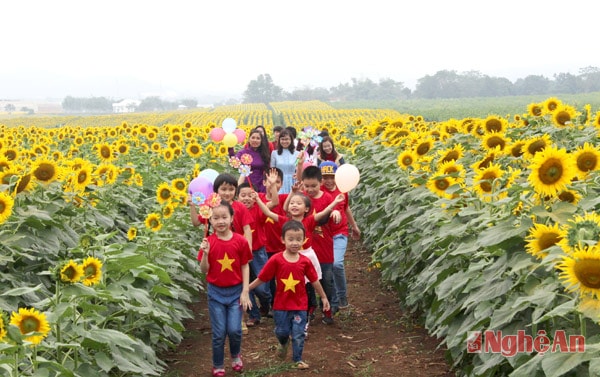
(290, 268)
(339, 231)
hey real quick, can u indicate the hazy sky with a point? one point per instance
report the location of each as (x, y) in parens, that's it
(196, 46)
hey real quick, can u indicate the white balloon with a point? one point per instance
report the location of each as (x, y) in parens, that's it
(229, 125)
(347, 177)
(210, 174)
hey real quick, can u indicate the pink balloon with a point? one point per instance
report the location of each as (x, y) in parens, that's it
(347, 177)
(217, 134)
(201, 185)
(240, 134)
(306, 164)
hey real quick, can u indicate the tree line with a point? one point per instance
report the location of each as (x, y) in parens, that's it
(105, 105)
(443, 84)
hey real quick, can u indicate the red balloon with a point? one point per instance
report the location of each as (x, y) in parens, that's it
(217, 134)
(240, 134)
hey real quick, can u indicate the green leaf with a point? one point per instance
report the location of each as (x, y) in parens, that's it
(21, 291)
(104, 362)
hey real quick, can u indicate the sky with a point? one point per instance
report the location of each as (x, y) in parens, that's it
(190, 48)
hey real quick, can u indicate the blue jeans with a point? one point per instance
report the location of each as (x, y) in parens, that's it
(226, 321)
(291, 322)
(263, 291)
(340, 243)
(329, 286)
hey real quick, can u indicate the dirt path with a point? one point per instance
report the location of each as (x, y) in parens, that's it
(370, 338)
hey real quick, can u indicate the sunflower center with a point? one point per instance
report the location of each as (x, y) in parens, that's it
(551, 171)
(29, 324)
(536, 110)
(44, 172)
(493, 125)
(165, 194)
(442, 184)
(566, 196)
(70, 273)
(451, 156)
(587, 161)
(406, 161)
(536, 146)
(90, 270)
(2, 206)
(517, 150)
(423, 148)
(587, 272)
(562, 118)
(496, 141)
(105, 152)
(486, 186)
(82, 177)
(547, 240)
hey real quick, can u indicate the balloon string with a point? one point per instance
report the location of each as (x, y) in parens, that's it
(250, 182)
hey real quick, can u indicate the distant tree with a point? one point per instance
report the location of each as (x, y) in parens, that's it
(87, 105)
(590, 79)
(533, 84)
(309, 94)
(27, 110)
(9, 108)
(566, 83)
(190, 103)
(444, 84)
(153, 103)
(262, 90)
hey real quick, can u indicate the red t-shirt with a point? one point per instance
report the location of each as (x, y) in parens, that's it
(225, 260)
(290, 293)
(322, 238)
(342, 227)
(272, 229)
(258, 230)
(309, 227)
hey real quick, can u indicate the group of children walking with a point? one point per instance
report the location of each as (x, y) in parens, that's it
(282, 249)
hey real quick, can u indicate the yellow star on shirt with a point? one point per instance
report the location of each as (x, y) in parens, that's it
(226, 263)
(290, 283)
(269, 220)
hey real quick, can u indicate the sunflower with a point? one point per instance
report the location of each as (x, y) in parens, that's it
(25, 183)
(569, 196)
(587, 158)
(105, 152)
(194, 150)
(581, 232)
(485, 181)
(3, 331)
(494, 141)
(6, 206)
(454, 170)
(179, 185)
(535, 145)
(494, 124)
(596, 120)
(542, 237)
(168, 210)
(82, 178)
(168, 155)
(92, 271)
(581, 271)
(535, 109)
(551, 171)
(423, 146)
(123, 148)
(71, 272)
(156, 147)
(152, 222)
(439, 184)
(406, 159)
(516, 148)
(550, 105)
(131, 233)
(485, 162)
(564, 115)
(46, 171)
(11, 154)
(31, 321)
(451, 154)
(164, 193)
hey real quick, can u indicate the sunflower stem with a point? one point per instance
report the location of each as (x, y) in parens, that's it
(582, 326)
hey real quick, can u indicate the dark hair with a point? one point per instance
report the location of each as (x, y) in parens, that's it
(277, 129)
(306, 199)
(279, 173)
(222, 179)
(290, 147)
(293, 132)
(242, 185)
(263, 149)
(292, 225)
(312, 172)
(322, 155)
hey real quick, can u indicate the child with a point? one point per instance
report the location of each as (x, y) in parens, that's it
(322, 237)
(290, 268)
(339, 232)
(259, 254)
(224, 259)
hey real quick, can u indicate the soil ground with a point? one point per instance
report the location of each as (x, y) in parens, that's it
(372, 337)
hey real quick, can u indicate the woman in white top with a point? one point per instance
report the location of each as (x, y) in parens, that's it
(286, 159)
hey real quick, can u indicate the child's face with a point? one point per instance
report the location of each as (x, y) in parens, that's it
(327, 147)
(227, 192)
(296, 206)
(312, 186)
(245, 196)
(221, 219)
(293, 240)
(329, 182)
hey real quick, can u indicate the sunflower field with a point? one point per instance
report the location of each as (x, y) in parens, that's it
(481, 224)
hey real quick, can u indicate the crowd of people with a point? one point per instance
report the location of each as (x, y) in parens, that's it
(277, 246)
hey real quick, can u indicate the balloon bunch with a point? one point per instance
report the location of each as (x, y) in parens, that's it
(228, 133)
(203, 195)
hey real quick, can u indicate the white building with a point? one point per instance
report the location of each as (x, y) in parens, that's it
(126, 106)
